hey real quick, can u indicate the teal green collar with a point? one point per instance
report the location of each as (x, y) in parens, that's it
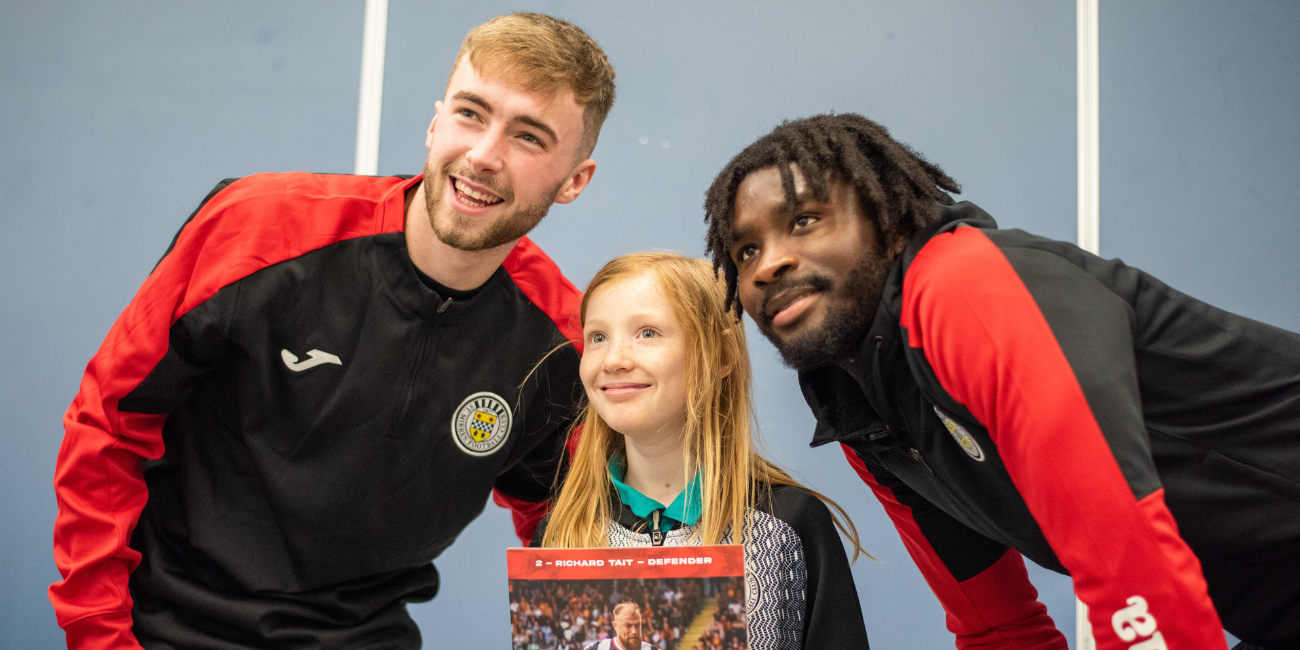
(685, 508)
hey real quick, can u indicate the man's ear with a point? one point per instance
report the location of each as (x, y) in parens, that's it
(428, 137)
(899, 244)
(576, 182)
(729, 351)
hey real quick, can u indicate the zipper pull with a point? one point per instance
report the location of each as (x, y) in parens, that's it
(443, 307)
(916, 455)
(656, 535)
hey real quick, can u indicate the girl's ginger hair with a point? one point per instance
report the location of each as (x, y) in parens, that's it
(719, 433)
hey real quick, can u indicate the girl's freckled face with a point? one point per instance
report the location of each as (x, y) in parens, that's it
(634, 358)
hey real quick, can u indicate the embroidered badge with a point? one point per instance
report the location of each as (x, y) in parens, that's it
(481, 424)
(963, 438)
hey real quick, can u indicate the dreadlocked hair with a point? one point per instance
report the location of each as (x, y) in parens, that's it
(896, 186)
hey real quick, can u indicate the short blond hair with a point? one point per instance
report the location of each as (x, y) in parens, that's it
(545, 54)
(625, 606)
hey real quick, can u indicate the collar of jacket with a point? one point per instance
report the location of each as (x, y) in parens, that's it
(860, 412)
(393, 262)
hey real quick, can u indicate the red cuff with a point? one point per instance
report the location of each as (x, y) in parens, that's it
(526, 515)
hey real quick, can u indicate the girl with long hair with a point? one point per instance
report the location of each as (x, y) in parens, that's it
(667, 454)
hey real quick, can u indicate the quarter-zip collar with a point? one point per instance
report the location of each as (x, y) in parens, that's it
(416, 297)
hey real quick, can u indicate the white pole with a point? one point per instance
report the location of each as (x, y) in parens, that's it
(372, 87)
(1089, 129)
(1089, 195)
(1082, 630)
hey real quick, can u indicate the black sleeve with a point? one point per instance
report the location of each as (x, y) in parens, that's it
(963, 552)
(955, 561)
(832, 613)
(540, 462)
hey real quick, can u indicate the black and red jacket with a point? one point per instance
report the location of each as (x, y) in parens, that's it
(1021, 396)
(288, 424)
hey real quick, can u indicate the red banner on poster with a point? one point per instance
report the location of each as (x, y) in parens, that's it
(619, 563)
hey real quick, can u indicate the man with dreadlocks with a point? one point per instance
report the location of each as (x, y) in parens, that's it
(1004, 394)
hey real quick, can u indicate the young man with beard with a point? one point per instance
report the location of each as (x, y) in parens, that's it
(325, 377)
(627, 630)
(1004, 394)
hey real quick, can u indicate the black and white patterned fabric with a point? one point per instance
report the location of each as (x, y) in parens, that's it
(776, 576)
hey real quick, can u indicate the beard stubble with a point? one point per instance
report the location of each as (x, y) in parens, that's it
(453, 229)
(845, 325)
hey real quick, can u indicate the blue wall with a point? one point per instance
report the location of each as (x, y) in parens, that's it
(1200, 149)
(116, 120)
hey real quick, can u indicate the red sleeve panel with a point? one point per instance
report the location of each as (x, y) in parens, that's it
(253, 223)
(997, 608)
(993, 349)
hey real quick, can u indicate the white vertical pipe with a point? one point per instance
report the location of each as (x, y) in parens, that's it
(372, 87)
(1082, 630)
(1089, 128)
(1089, 194)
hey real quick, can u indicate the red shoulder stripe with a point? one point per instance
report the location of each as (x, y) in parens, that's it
(262, 220)
(540, 279)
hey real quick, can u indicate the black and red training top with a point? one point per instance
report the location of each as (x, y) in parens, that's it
(1019, 395)
(288, 424)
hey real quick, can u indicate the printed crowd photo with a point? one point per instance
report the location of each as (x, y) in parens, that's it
(666, 613)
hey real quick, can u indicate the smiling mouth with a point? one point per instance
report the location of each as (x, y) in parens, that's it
(790, 299)
(471, 197)
(622, 388)
(792, 311)
(789, 305)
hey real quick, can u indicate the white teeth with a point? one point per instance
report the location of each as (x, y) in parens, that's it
(486, 198)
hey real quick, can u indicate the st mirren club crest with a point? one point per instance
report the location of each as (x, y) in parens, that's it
(481, 424)
(963, 438)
